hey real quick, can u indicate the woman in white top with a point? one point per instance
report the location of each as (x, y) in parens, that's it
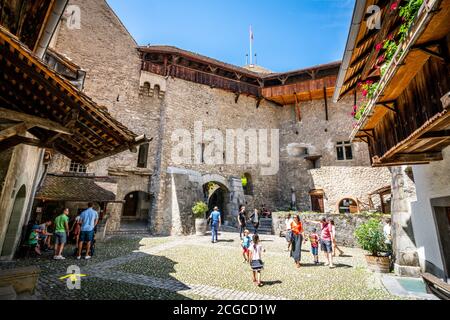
(288, 223)
(256, 262)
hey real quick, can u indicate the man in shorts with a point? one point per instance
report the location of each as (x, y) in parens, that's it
(326, 240)
(61, 234)
(89, 219)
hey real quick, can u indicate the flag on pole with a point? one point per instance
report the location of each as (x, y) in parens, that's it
(251, 33)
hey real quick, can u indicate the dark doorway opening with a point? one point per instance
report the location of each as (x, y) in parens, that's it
(137, 206)
(217, 195)
(442, 218)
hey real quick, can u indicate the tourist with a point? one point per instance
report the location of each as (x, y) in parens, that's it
(326, 240)
(314, 239)
(216, 222)
(266, 212)
(89, 219)
(44, 236)
(33, 240)
(76, 229)
(335, 246)
(256, 262)
(242, 219)
(61, 234)
(297, 240)
(288, 223)
(387, 231)
(255, 219)
(246, 243)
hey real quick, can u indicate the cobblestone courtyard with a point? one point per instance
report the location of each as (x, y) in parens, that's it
(192, 268)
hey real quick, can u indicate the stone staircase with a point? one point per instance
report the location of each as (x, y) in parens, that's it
(265, 227)
(131, 228)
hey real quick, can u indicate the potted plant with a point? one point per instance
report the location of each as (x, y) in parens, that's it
(199, 210)
(370, 237)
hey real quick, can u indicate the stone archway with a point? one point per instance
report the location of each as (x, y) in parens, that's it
(136, 206)
(217, 195)
(348, 205)
(10, 241)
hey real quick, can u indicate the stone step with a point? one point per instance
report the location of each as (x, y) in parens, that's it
(129, 232)
(8, 293)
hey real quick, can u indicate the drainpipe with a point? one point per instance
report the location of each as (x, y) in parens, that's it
(55, 16)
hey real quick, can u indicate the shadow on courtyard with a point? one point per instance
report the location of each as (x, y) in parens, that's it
(50, 287)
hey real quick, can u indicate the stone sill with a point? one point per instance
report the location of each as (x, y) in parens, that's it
(126, 171)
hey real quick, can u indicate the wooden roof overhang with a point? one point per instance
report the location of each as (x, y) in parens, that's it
(405, 123)
(28, 20)
(37, 100)
(302, 85)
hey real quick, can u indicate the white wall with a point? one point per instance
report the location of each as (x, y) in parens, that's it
(432, 181)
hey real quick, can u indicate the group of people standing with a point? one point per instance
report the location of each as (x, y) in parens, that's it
(83, 231)
(295, 236)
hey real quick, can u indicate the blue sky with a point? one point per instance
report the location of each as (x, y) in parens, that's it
(289, 34)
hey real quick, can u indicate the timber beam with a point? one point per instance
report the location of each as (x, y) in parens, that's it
(436, 134)
(428, 49)
(33, 121)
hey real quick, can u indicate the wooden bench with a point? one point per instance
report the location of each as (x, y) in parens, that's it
(23, 280)
(436, 286)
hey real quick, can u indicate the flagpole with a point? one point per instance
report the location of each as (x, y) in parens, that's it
(251, 45)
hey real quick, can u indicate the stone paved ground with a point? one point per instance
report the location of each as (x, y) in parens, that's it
(193, 268)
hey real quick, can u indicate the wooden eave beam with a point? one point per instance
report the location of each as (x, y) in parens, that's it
(427, 48)
(17, 129)
(387, 106)
(34, 121)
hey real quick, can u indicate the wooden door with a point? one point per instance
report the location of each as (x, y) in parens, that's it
(317, 203)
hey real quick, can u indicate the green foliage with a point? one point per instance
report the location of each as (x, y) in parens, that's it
(370, 237)
(360, 111)
(199, 210)
(408, 13)
(391, 48)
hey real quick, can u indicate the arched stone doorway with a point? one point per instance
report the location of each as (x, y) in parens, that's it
(9, 244)
(348, 205)
(217, 195)
(136, 206)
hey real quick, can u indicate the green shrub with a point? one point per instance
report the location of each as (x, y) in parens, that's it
(370, 237)
(199, 210)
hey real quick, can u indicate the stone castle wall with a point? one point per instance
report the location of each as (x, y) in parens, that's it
(156, 106)
(338, 179)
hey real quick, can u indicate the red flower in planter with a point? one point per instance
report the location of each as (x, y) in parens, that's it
(391, 37)
(381, 59)
(365, 93)
(355, 108)
(379, 46)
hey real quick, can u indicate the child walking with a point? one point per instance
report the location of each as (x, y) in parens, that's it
(314, 239)
(256, 262)
(246, 243)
